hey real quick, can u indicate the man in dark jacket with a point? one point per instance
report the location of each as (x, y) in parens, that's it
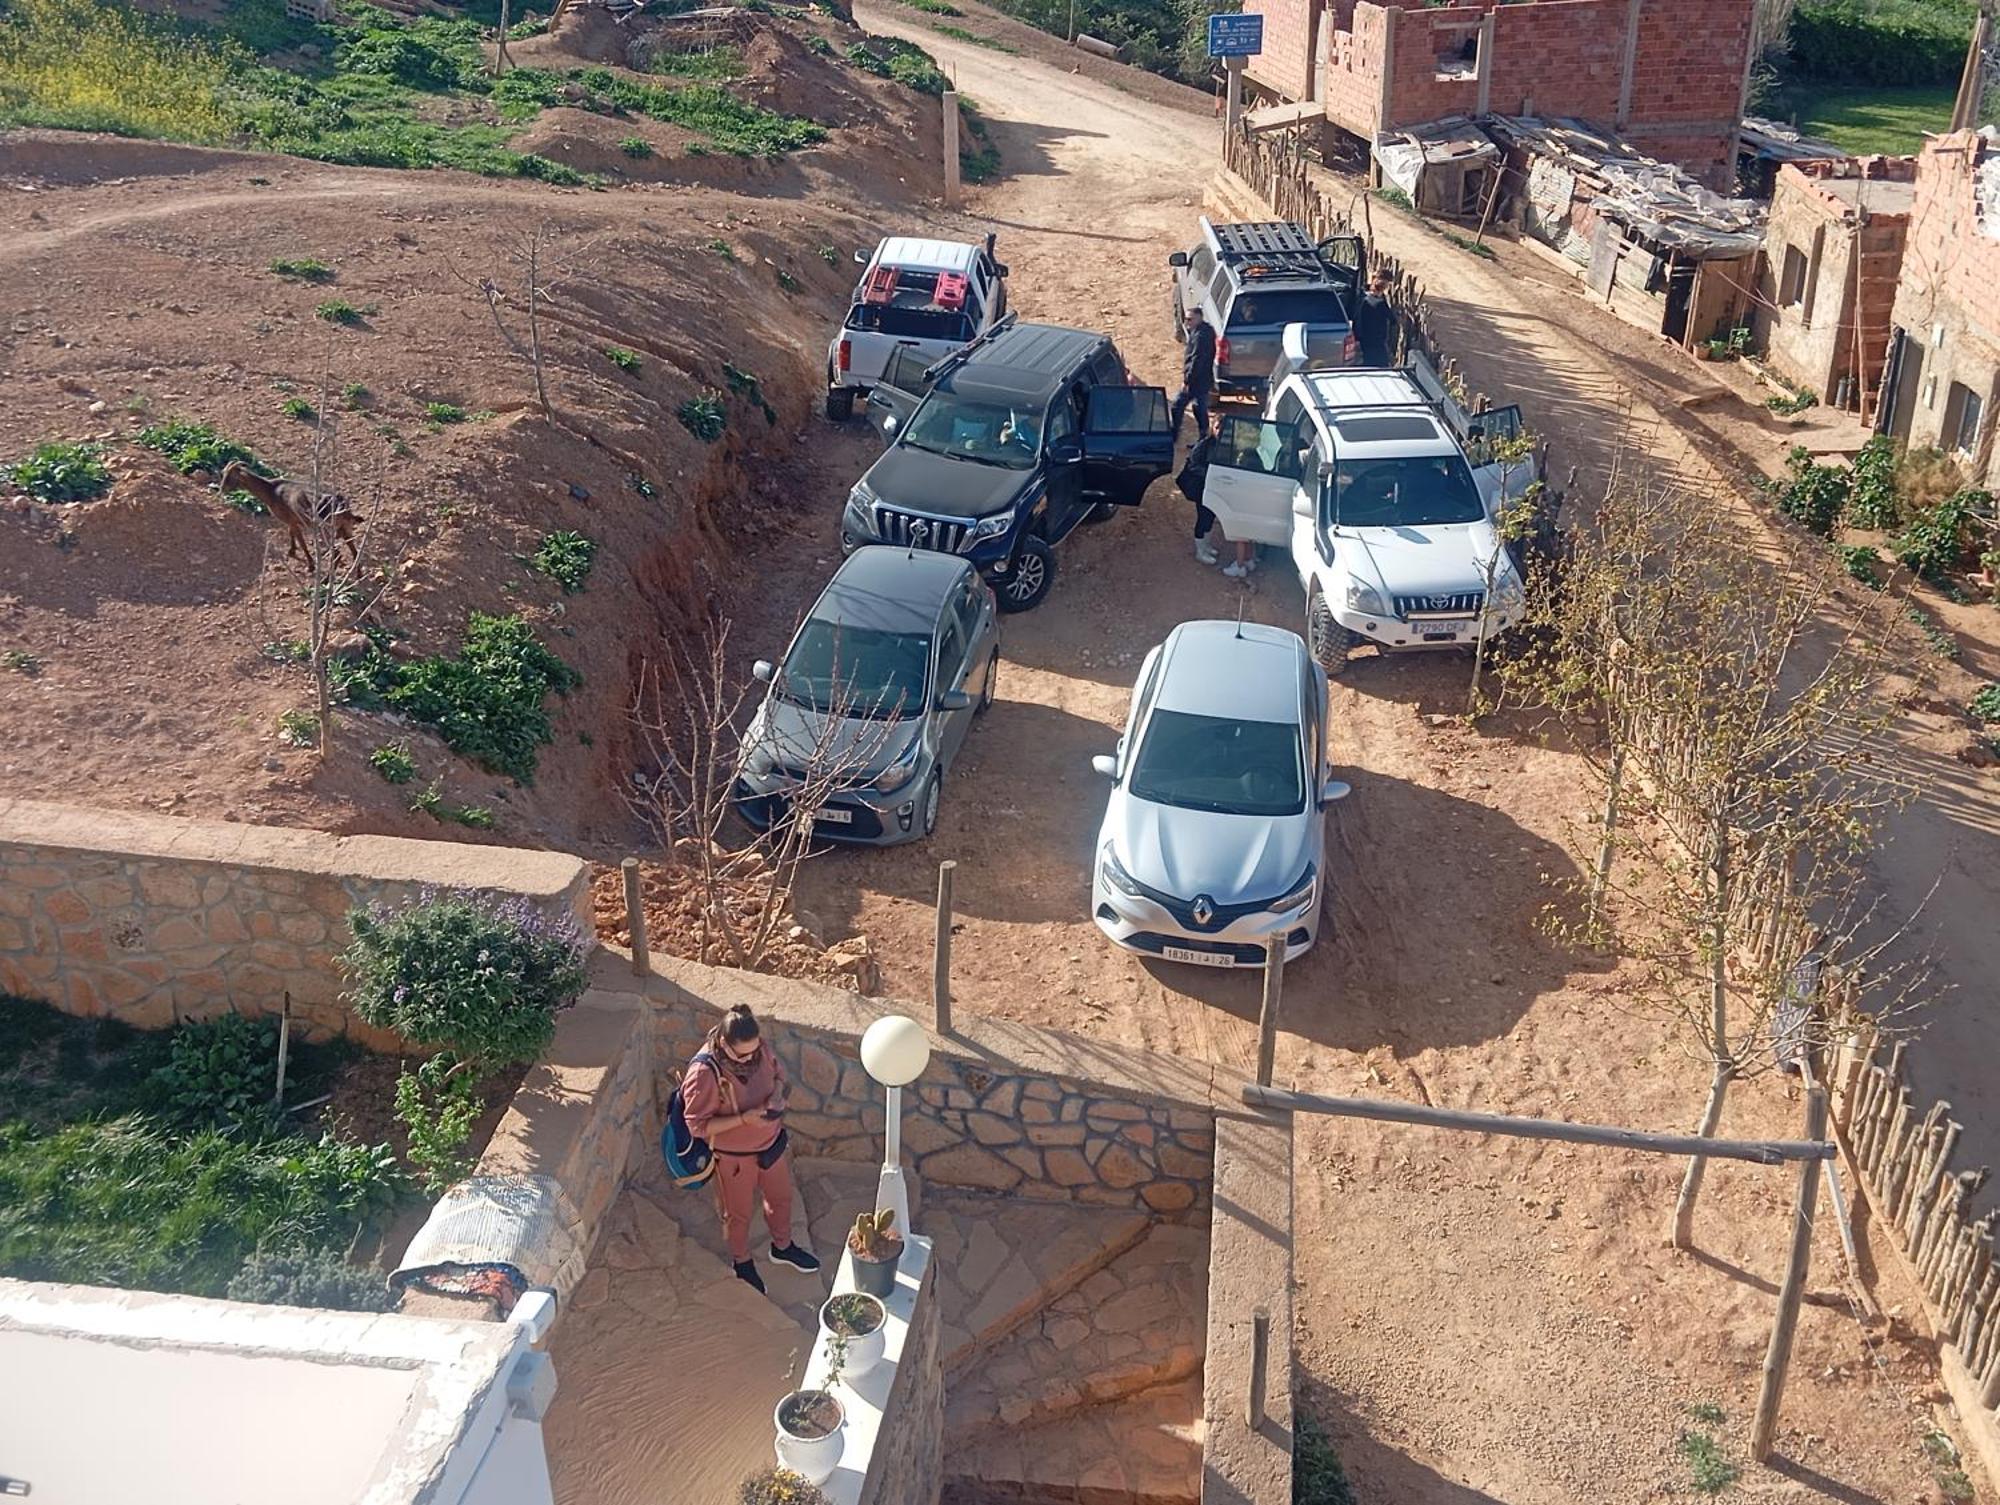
(1197, 374)
(1375, 324)
(1193, 476)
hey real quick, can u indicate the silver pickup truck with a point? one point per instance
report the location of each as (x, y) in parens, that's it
(931, 296)
(1252, 282)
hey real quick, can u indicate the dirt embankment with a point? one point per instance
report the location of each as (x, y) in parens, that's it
(138, 284)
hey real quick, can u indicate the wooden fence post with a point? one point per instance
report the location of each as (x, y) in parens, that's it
(1779, 1355)
(284, 1051)
(1267, 1016)
(1260, 1365)
(635, 917)
(941, 950)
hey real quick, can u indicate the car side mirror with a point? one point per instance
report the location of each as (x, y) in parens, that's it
(889, 423)
(954, 700)
(1066, 450)
(1334, 791)
(1178, 259)
(765, 670)
(861, 258)
(1105, 764)
(1000, 269)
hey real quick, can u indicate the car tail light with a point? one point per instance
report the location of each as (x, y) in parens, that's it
(1222, 351)
(1349, 349)
(846, 353)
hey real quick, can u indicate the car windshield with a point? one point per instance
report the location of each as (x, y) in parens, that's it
(1304, 306)
(993, 433)
(1220, 765)
(861, 672)
(1410, 492)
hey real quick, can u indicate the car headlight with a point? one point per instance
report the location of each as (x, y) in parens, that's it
(1510, 594)
(900, 772)
(994, 526)
(1365, 599)
(1302, 894)
(1117, 877)
(861, 498)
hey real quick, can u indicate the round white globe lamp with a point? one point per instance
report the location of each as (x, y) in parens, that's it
(894, 1050)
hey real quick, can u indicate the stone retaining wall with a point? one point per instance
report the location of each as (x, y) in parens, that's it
(1001, 1108)
(152, 919)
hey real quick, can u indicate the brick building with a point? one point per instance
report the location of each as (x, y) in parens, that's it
(1669, 75)
(1944, 345)
(1833, 249)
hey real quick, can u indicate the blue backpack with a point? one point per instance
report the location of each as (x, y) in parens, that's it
(689, 1159)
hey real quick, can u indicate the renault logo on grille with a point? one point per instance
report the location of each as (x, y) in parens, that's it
(1204, 909)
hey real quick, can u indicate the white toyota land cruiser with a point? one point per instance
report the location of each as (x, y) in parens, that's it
(1386, 493)
(930, 295)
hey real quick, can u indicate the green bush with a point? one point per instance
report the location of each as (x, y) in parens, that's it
(1880, 41)
(1861, 563)
(191, 447)
(303, 269)
(309, 1277)
(905, 62)
(486, 703)
(338, 311)
(394, 763)
(299, 728)
(299, 408)
(1985, 704)
(779, 1486)
(62, 473)
(430, 801)
(565, 558)
(221, 1071)
(437, 1108)
(428, 53)
(126, 1202)
(465, 973)
(623, 359)
(1934, 539)
(1815, 495)
(637, 147)
(704, 416)
(1872, 501)
(444, 412)
(1317, 1477)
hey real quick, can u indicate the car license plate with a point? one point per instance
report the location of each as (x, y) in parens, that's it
(1444, 632)
(1199, 958)
(833, 815)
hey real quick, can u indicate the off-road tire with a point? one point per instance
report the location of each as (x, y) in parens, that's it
(1029, 581)
(1326, 638)
(839, 405)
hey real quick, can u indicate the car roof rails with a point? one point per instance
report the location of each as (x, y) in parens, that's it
(939, 370)
(1260, 249)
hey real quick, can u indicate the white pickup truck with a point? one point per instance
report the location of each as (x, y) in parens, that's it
(929, 295)
(1386, 492)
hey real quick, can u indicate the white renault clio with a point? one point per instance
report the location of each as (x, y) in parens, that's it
(1213, 840)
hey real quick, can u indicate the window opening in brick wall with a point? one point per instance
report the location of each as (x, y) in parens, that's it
(1458, 53)
(1812, 273)
(1792, 282)
(1962, 409)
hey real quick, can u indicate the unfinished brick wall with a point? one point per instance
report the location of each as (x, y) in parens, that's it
(1565, 58)
(1688, 72)
(1282, 66)
(1948, 300)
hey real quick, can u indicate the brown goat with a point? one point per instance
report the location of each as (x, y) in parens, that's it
(298, 508)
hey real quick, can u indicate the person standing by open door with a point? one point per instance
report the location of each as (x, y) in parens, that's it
(1197, 374)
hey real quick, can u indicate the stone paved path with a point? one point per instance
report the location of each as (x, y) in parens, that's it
(1143, 1450)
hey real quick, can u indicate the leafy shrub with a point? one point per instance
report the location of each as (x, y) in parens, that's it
(465, 973)
(828, 255)
(636, 146)
(62, 473)
(221, 1070)
(486, 703)
(1845, 41)
(21, 662)
(723, 62)
(299, 728)
(978, 157)
(820, 45)
(444, 412)
(1317, 1477)
(126, 1202)
(303, 269)
(623, 359)
(1872, 501)
(703, 416)
(86, 66)
(354, 394)
(1934, 539)
(338, 311)
(905, 62)
(438, 1107)
(1860, 562)
(299, 408)
(394, 763)
(565, 558)
(1940, 642)
(1815, 494)
(309, 1277)
(191, 447)
(779, 1486)
(722, 248)
(430, 801)
(428, 54)
(743, 130)
(1797, 400)
(1985, 704)
(1712, 1472)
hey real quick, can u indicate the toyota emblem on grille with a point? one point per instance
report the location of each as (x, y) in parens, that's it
(920, 534)
(1440, 603)
(1204, 909)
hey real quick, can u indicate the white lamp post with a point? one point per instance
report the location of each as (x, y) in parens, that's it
(895, 1051)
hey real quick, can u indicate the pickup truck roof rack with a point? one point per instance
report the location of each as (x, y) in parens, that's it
(1260, 249)
(938, 370)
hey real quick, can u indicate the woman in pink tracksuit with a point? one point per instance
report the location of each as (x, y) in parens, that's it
(734, 1093)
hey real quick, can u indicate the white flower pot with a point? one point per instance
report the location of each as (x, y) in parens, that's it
(812, 1458)
(863, 1352)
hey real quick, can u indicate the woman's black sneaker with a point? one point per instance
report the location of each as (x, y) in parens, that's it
(746, 1271)
(794, 1256)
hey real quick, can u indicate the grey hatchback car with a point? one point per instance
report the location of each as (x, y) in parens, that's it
(873, 699)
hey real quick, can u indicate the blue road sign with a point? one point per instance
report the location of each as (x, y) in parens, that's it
(1235, 36)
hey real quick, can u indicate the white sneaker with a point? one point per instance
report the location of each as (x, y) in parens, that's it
(1204, 552)
(1236, 571)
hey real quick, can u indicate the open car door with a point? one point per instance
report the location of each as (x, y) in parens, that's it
(1346, 254)
(1503, 469)
(1253, 472)
(903, 386)
(1128, 442)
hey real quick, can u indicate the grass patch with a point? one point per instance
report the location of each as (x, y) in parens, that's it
(353, 395)
(394, 762)
(1863, 119)
(636, 147)
(299, 408)
(338, 311)
(715, 64)
(191, 447)
(1712, 1472)
(905, 62)
(302, 269)
(62, 473)
(430, 801)
(978, 157)
(299, 729)
(623, 359)
(1707, 1412)
(81, 66)
(486, 702)
(992, 44)
(1317, 1477)
(20, 661)
(743, 130)
(1861, 563)
(444, 412)
(1940, 642)
(704, 416)
(1467, 243)
(565, 558)
(933, 7)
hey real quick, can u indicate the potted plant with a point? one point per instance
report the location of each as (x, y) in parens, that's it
(877, 1249)
(810, 1422)
(860, 1321)
(779, 1486)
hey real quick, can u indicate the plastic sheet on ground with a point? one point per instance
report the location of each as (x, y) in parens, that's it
(521, 1229)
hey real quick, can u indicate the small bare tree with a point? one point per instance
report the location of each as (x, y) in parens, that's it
(1513, 519)
(540, 264)
(822, 738)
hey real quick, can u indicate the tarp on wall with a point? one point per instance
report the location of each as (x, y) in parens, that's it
(521, 1229)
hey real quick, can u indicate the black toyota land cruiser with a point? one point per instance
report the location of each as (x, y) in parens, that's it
(1000, 449)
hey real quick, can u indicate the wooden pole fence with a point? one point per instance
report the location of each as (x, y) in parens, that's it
(941, 950)
(635, 917)
(1778, 1357)
(1267, 1015)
